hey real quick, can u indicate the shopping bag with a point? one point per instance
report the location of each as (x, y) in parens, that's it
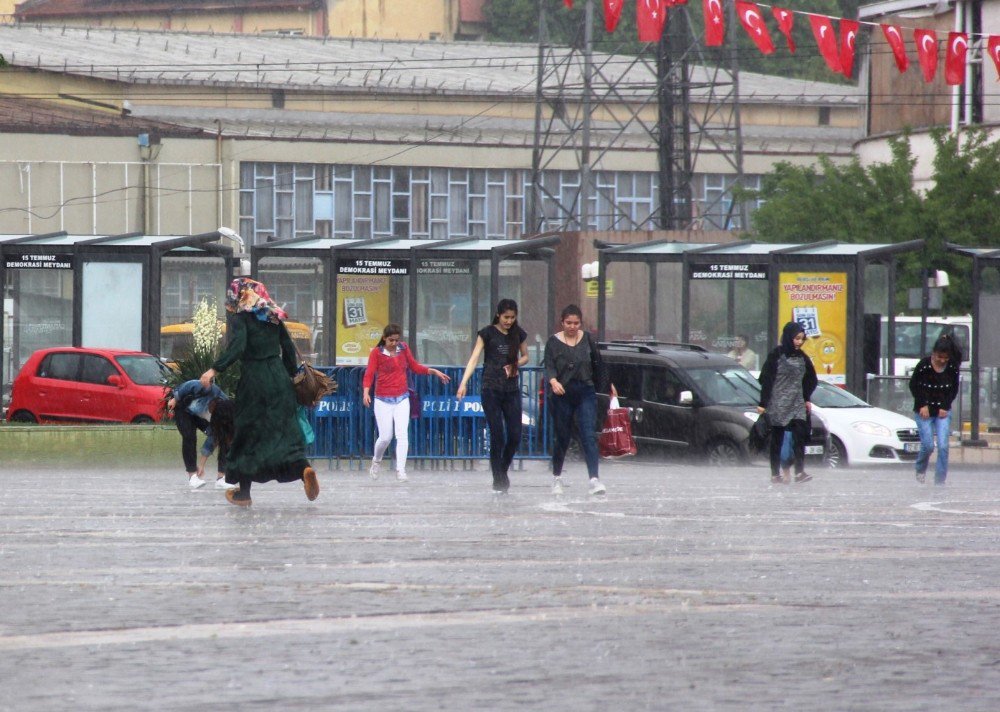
(308, 434)
(415, 403)
(616, 436)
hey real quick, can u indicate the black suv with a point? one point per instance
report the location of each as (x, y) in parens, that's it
(689, 400)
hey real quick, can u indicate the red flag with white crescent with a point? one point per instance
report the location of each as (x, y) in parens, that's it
(954, 61)
(785, 19)
(993, 48)
(848, 41)
(651, 16)
(753, 23)
(927, 52)
(894, 37)
(612, 13)
(826, 40)
(715, 26)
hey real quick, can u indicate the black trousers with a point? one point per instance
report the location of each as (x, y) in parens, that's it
(503, 416)
(800, 434)
(188, 425)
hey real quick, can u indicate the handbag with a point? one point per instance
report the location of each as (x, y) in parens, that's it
(308, 434)
(759, 433)
(616, 436)
(311, 384)
(415, 402)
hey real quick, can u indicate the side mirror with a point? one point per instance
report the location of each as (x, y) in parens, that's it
(116, 381)
(686, 398)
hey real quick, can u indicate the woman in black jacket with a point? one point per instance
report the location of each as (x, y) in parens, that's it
(787, 381)
(934, 385)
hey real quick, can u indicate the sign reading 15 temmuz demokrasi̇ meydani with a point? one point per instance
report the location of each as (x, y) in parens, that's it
(431, 407)
(723, 271)
(33, 261)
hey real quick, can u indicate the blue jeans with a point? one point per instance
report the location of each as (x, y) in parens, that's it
(580, 401)
(931, 429)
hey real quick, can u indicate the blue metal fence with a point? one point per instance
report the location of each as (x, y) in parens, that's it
(448, 429)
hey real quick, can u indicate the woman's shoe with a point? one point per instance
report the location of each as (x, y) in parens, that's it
(310, 483)
(803, 477)
(238, 498)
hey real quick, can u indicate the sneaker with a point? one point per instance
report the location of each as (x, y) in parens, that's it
(803, 477)
(401, 476)
(777, 480)
(921, 477)
(310, 483)
(557, 487)
(233, 496)
(195, 482)
(221, 484)
(596, 487)
(373, 470)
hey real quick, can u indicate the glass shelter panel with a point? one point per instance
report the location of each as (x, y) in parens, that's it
(628, 301)
(112, 293)
(667, 300)
(186, 282)
(448, 296)
(296, 284)
(38, 313)
(527, 282)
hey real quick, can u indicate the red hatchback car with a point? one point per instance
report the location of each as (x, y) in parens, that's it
(67, 384)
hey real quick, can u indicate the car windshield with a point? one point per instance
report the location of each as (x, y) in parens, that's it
(828, 396)
(726, 385)
(144, 370)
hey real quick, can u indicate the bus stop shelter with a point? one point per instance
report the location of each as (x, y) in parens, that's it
(719, 295)
(441, 292)
(112, 291)
(984, 346)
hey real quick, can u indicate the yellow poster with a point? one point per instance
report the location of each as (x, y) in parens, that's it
(818, 301)
(362, 313)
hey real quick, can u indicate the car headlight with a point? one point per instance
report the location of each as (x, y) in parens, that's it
(868, 428)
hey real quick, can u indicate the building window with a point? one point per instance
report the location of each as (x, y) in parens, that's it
(284, 200)
(278, 98)
(824, 116)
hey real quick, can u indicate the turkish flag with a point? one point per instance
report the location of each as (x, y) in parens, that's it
(826, 40)
(568, 3)
(993, 47)
(848, 40)
(954, 61)
(785, 19)
(715, 26)
(927, 52)
(753, 23)
(895, 39)
(612, 13)
(651, 16)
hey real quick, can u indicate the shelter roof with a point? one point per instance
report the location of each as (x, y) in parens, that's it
(45, 10)
(62, 239)
(829, 248)
(21, 115)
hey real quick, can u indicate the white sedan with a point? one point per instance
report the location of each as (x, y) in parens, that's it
(861, 433)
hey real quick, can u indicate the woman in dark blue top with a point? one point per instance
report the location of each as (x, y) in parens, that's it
(504, 348)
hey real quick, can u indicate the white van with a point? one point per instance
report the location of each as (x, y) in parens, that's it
(909, 350)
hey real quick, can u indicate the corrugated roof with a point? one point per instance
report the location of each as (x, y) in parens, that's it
(47, 10)
(381, 67)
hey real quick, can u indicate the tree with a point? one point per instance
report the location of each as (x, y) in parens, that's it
(880, 204)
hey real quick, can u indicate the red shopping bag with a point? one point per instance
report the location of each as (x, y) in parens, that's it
(616, 436)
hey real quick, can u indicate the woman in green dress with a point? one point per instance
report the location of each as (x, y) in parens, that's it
(268, 442)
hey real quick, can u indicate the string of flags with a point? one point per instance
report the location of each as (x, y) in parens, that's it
(836, 47)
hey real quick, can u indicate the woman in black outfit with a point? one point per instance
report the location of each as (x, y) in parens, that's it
(934, 385)
(574, 371)
(504, 348)
(787, 382)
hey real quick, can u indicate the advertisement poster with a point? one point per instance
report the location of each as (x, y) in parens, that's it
(818, 301)
(362, 313)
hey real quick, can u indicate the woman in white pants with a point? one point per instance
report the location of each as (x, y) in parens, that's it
(388, 365)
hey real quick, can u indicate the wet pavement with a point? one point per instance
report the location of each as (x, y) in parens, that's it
(685, 588)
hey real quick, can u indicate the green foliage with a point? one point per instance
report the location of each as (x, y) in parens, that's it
(880, 204)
